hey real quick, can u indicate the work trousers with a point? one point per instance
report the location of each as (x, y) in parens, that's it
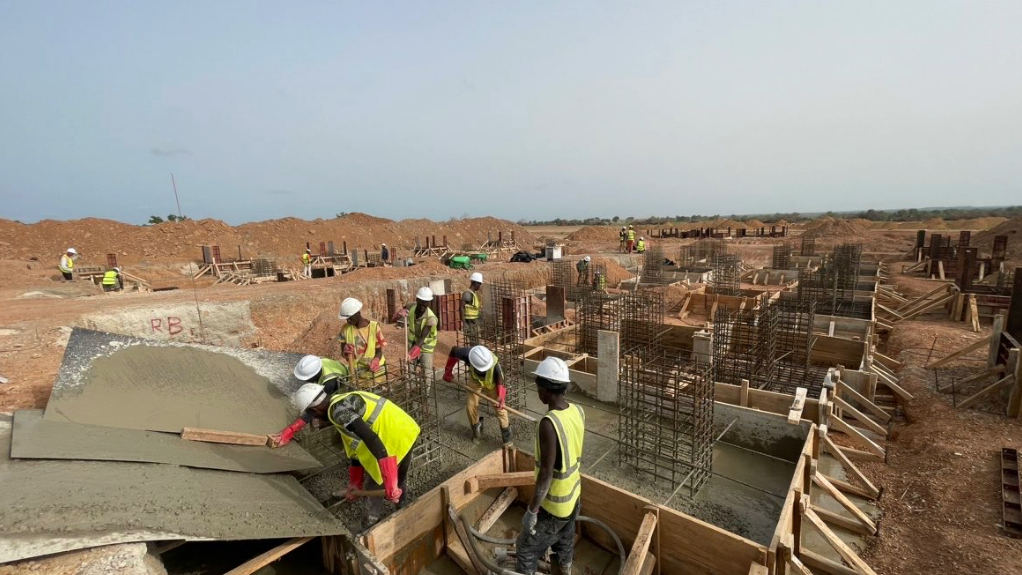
(553, 533)
(115, 287)
(374, 505)
(67, 276)
(472, 406)
(630, 245)
(308, 270)
(470, 327)
(425, 362)
(624, 245)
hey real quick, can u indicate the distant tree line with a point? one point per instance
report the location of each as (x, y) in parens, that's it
(153, 220)
(903, 215)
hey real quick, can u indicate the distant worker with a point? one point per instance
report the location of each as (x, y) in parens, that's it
(323, 371)
(641, 246)
(422, 328)
(473, 305)
(67, 264)
(583, 270)
(112, 280)
(307, 261)
(549, 520)
(384, 254)
(362, 341)
(631, 238)
(484, 371)
(599, 282)
(378, 438)
(624, 238)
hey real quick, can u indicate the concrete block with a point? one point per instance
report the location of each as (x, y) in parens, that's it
(608, 351)
(702, 348)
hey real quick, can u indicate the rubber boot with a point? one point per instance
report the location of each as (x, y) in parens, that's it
(505, 435)
(477, 431)
(556, 569)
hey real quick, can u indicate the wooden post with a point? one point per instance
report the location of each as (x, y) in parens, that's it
(744, 401)
(995, 340)
(1015, 367)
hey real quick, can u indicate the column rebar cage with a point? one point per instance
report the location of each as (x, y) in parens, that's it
(414, 391)
(833, 284)
(846, 261)
(794, 331)
(808, 246)
(576, 279)
(511, 309)
(595, 311)
(653, 265)
(782, 257)
(700, 254)
(726, 277)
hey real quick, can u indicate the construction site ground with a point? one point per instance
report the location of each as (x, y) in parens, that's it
(941, 505)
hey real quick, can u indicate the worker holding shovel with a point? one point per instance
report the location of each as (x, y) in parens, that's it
(378, 438)
(422, 333)
(489, 379)
(362, 342)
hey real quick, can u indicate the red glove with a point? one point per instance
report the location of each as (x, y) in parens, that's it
(356, 479)
(374, 364)
(449, 371)
(501, 395)
(349, 350)
(388, 468)
(415, 353)
(285, 435)
(400, 314)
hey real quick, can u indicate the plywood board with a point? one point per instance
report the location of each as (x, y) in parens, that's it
(36, 438)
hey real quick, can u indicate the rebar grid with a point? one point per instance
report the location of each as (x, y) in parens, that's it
(794, 331)
(262, 267)
(782, 257)
(726, 277)
(832, 285)
(511, 308)
(565, 274)
(846, 261)
(700, 254)
(413, 391)
(666, 417)
(808, 246)
(595, 311)
(653, 265)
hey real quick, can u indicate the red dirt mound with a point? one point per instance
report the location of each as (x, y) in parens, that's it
(594, 233)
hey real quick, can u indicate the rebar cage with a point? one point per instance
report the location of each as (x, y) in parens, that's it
(726, 278)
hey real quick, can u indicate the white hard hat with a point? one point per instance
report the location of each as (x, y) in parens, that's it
(72, 251)
(349, 307)
(308, 250)
(481, 358)
(642, 238)
(308, 367)
(384, 245)
(476, 277)
(553, 369)
(308, 395)
(117, 269)
(587, 258)
(424, 293)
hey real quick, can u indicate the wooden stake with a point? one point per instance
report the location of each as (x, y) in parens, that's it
(978, 344)
(484, 482)
(1015, 399)
(795, 412)
(821, 480)
(850, 467)
(499, 506)
(857, 436)
(844, 389)
(860, 417)
(744, 397)
(840, 546)
(641, 545)
(260, 561)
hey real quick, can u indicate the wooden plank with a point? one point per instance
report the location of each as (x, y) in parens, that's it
(976, 345)
(821, 480)
(845, 389)
(744, 396)
(995, 340)
(496, 509)
(459, 530)
(973, 312)
(229, 437)
(860, 417)
(640, 547)
(830, 330)
(981, 375)
(840, 546)
(460, 557)
(260, 561)
(1006, 381)
(841, 521)
(1015, 398)
(484, 482)
(795, 412)
(856, 436)
(828, 444)
(889, 382)
(928, 307)
(888, 362)
(821, 563)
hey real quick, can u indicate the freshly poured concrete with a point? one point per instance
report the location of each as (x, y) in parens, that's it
(36, 438)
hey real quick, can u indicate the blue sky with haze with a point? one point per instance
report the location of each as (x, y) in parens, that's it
(514, 109)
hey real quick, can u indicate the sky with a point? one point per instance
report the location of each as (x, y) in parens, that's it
(531, 109)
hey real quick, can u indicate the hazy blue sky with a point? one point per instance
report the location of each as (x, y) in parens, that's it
(516, 109)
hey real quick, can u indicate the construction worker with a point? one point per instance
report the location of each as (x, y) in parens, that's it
(362, 341)
(422, 328)
(384, 254)
(630, 238)
(378, 438)
(487, 374)
(307, 262)
(472, 306)
(624, 238)
(640, 247)
(583, 270)
(67, 264)
(599, 282)
(549, 520)
(323, 371)
(112, 280)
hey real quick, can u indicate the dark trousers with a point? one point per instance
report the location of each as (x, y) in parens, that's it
(553, 533)
(68, 276)
(374, 505)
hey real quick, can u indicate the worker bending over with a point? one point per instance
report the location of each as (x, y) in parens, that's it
(322, 371)
(583, 270)
(549, 520)
(641, 246)
(473, 304)
(307, 262)
(630, 238)
(112, 280)
(486, 373)
(362, 342)
(599, 282)
(422, 326)
(378, 437)
(67, 264)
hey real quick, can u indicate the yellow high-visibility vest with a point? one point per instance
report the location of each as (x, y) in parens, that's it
(66, 264)
(472, 309)
(566, 487)
(110, 278)
(413, 334)
(332, 369)
(396, 429)
(631, 235)
(640, 247)
(487, 379)
(351, 336)
(306, 258)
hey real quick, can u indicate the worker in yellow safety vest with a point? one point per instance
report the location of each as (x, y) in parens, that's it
(631, 238)
(422, 328)
(378, 438)
(473, 305)
(112, 280)
(307, 262)
(67, 264)
(549, 520)
(624, 238)
(362, 341)
(488, 378)
(641, 246)
(323, 371)
(599, 282)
